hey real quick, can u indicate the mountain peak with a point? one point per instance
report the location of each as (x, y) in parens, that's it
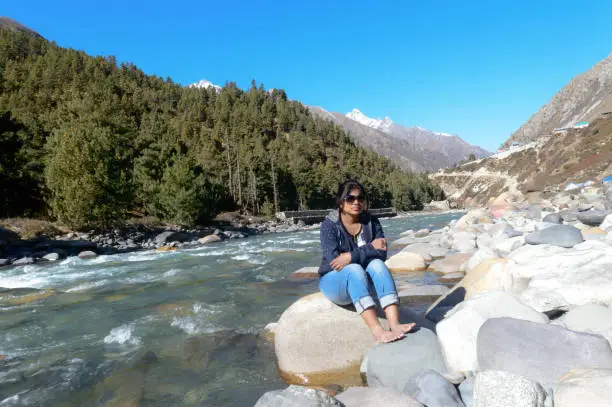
(203, 83)
(383, 125)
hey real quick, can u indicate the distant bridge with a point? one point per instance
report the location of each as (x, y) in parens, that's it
(316, 216)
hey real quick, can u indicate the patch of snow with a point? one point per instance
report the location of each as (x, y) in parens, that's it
(205, 84)
(383, 125)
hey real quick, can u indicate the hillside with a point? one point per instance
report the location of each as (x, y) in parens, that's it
(7, 23)
(88, 141)
(411, 148)
(584, 98)
(548, 164)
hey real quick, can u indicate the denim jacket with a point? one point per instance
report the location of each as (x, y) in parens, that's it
(335, 240)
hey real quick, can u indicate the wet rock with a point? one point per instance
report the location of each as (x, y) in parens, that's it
(458, 330)
(4, 262)
(209, 239)
(392, 364)
(297, 396)
(319, 342)
(375, 397)
(540, 352)
(171, 236)
(553, 218)
(558, 235)
(305, 273)
(51, 257)
(593, 218)
(503, 389)
(584, 387)
(23, 261)
(87, 254)
(433, 390)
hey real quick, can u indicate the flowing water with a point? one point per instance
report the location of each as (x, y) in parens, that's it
(180, 328)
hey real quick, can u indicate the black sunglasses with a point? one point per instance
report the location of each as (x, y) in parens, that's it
(352, 198)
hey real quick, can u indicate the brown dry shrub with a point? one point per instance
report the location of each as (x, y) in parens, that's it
(30, 228)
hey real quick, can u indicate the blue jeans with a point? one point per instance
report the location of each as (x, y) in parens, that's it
(351, 284)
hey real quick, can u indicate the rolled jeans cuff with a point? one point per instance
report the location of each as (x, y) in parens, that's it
(364, 303)
(388, 299)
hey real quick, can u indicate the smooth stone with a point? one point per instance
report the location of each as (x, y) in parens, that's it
(298, 396)
(170, 236)
(319, 342)
(503, 229)
(540, 352)
(87, 254)
(593, 218)
(51, 257)
(392, 364)
(408, 232)
(375, 397)
(422, 249)
(416, 293)
(422, 233)
(570, 215)
(504, 246)
(588, 318)
(584, 387)
(305, 273)
(544, 225)
(23, 261)
(553, 218)
(209, 239)
(458, 330)
(607, 223)
(487, 276)
(433, 390)
(451, 264)
(558, 235)
(502, 389)
(403, 241)
(466, 391)
(405, 262)
(480, 256)
(548, 277)
(452, 277)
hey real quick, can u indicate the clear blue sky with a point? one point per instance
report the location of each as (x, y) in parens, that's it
(478, 69)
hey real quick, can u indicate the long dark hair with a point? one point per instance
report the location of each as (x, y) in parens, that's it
(345, 189)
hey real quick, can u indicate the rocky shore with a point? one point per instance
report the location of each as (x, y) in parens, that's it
(16, 251)
(528, 322)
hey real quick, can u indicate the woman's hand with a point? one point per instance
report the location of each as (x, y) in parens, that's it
(379, 244)
(341, 261)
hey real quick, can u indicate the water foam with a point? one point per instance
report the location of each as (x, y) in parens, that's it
(122, 335)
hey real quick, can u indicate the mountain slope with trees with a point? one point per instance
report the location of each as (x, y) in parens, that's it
(90, 142)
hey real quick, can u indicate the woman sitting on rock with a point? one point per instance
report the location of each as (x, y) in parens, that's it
(354, 248)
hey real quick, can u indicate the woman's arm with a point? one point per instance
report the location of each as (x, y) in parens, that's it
(367, 252)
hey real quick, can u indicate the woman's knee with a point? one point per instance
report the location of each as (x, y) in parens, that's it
(355, 269)
(378, 266)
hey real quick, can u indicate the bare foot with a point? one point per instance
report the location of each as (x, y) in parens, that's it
(403, 328)
(383, 336)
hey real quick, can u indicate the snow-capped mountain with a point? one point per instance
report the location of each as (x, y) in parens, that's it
(205, 84)
(413, 148)
(382, 125)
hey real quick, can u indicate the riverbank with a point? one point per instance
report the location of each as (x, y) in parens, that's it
(528, 322)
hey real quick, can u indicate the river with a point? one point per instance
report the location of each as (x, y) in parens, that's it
(153, 329)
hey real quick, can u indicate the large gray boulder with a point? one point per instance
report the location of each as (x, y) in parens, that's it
(588, 318)
(502, 389)
(540, 352)
(171, 236)
(553, 218)
(584, 387)
(319, 342)
(376, 397)
(458, 330)
(297, 396)
(433, 390)
(594, 217)
(558, 235)
(23, 261)
(392, 364)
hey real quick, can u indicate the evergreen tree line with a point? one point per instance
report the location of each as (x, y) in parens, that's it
(90, 142)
